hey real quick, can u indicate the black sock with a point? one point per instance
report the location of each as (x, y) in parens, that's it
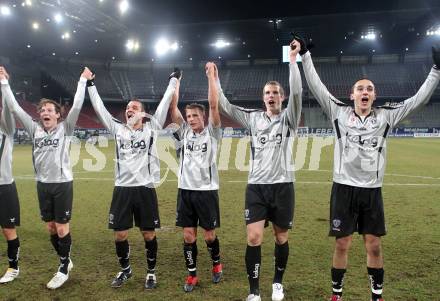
(190, 253)
(151, 253)
(281, 254)
(13, 253)
(253, 263)
(376, 281)
(123, 252)
(64, 245)
(214, 251)
(54, 240)
(338, 280)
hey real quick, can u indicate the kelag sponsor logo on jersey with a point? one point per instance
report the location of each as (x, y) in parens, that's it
(372, 142)
(265, 138)
(134, 145)
(40, 143)
(191, 146)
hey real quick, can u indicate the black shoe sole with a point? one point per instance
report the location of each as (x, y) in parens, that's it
(216, 278)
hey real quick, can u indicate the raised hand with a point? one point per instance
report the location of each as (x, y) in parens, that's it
(210, 69)
(304, 45)
(88, 74)
(295, 48)
(3, 73)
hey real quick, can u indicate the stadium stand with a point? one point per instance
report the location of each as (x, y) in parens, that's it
(243, 84)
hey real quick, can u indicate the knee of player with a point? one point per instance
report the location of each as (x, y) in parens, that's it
(373, 247)
(343, 244)
(51, 227)
(121, 235)
(149, 235)
(189, 235)
(254, 238)
(209, 235)
(10, 233)
(281, 239)
(62, 229)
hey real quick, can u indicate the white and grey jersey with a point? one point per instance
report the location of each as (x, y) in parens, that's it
(7, 129)
(136, 162)
(271, 138)
(360, 146)
(50, 150)
(197, 153)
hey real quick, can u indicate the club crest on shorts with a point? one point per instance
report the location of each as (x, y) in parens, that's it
(336, 224)
(110, 218)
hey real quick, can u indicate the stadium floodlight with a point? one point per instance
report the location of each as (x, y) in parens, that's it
(174, 46)
(132, 45)
(65, 36)
(28, 2)
(162, 46)
(58, 18)
(433, 31)
(5, 10)
(221, 44)
(123, 6)
(35, 25)
(369, 36)
(28, 46)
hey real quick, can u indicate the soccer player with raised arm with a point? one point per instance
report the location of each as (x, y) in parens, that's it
(137, 169)
(9, 205)
(51, 139)
(198, 182)
(270, 190)
(359, 165)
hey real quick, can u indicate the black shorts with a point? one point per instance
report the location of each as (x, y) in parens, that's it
(270, 202)
(9, 206)
(356, 209)
(55, 201)
(196, 207)
(139, 202)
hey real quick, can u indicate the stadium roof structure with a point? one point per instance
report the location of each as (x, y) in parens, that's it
(254, 29)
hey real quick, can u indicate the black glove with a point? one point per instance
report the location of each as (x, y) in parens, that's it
(91, 82)
(177, 73)
(304, 45)
(436, 56)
